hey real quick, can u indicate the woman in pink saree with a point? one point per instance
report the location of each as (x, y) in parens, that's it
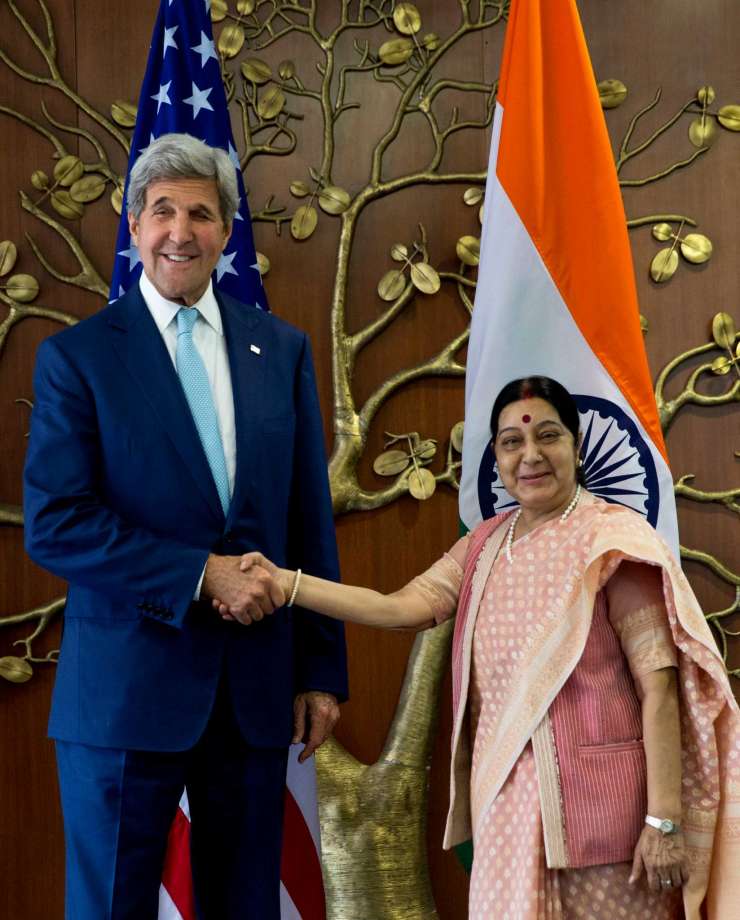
(596, 740)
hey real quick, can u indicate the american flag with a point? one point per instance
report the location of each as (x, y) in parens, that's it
(183, 92)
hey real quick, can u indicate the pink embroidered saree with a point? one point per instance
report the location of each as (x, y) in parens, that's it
(521, 631)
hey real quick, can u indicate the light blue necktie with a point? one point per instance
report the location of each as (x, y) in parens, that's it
(195, 383)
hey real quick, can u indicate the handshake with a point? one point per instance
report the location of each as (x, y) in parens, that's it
(245, 588)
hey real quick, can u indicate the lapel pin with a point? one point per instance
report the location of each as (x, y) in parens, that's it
(256, 349)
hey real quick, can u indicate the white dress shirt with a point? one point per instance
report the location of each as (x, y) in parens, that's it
(208, 337)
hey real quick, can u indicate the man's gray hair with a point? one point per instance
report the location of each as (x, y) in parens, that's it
(181, 156)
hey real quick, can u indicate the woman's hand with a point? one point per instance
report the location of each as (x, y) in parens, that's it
(662, 857)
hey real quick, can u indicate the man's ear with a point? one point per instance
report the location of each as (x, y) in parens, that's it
(133, 228)
(227, 235)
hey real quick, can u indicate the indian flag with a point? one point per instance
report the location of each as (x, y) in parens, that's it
(556, 290)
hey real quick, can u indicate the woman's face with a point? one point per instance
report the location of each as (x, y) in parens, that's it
(536, 455)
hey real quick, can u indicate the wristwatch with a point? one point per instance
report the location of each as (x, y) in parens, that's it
(664, 825)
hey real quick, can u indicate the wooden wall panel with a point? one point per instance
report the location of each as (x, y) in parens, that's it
(674, 43)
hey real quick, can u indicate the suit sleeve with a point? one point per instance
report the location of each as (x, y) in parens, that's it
(321, 660)
(69, 530)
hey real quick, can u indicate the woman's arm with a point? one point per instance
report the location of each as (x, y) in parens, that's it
(637, 613)
(419, 604)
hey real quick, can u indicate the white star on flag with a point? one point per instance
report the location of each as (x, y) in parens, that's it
(163, 96)
(169, 41)
(199, 100)
(225, 267)
(132, 254)
(206, 49)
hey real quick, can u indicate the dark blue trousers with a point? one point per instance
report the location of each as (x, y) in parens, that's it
(118, 806)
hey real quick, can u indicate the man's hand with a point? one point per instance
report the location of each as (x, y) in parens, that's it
(322, 711)
(243, 596)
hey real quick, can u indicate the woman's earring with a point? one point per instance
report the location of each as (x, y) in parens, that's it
(579, 464)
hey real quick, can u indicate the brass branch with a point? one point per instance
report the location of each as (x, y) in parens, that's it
(667, 408)
(17, 312)
(55, 79)
(42, 616)
(730, 498)
(88, 277)
(717, 621)
(11, 514)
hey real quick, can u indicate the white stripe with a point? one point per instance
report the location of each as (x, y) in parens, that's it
(184, 804)
(302, 784)
(167, 909)
(522, 326)
(288, 910)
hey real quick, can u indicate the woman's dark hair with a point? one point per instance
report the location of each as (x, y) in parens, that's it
(545, 388)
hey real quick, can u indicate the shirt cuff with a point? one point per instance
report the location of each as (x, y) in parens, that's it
(196, 596)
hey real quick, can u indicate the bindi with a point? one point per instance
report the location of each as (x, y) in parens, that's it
(526, 418)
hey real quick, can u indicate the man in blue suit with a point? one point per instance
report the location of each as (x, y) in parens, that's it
(172, 432)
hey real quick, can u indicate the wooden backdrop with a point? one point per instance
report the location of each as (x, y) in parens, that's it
(678, 45)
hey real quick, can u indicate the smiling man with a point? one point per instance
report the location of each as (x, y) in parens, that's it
(172, 432)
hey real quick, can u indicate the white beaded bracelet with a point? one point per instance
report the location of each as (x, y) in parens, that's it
(294, 592)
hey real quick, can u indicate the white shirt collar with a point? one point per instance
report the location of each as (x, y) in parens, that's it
(164, 311)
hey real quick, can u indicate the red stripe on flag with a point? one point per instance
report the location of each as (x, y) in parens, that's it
(300, 870)
(176, 876)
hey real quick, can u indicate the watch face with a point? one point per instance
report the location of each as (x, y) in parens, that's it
(667, 826)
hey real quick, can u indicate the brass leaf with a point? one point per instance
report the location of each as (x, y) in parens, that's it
(456, 436)
(706, 95)
(230, 40)
(299, 189)
(612, 93)
(391, 285)
(68, 170)
(480, 215)
(723, 330)
(422, 484)
(696, 248)
(256, 71)
(468, 250)
(8, 256)
(662, 232)
(391, 463)
(271, 103)
(63, 204)
(473, 196)
(644, 325)
(23, 288)
(116, 199)
(702, 131)
(88, 188)
(39, 180)
(406, 18)
(286, 69)
(304, 222)
(430, 41)
(426, 450)
(123, 113)
(263, 263)
(721, 366)
(425, 278)
(396, 51)
(245, 7)
(16, 670)
(399, 253)
(664, 265)
(334, 200)
(729, 117)
(219, 9)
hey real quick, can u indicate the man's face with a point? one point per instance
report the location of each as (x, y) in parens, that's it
(180, 235)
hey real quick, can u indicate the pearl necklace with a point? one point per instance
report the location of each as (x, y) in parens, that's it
(515, 520)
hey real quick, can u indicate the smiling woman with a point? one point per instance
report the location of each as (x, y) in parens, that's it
(577, 647)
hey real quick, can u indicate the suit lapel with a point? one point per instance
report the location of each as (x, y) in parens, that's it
(247, 342)
(143, 352)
